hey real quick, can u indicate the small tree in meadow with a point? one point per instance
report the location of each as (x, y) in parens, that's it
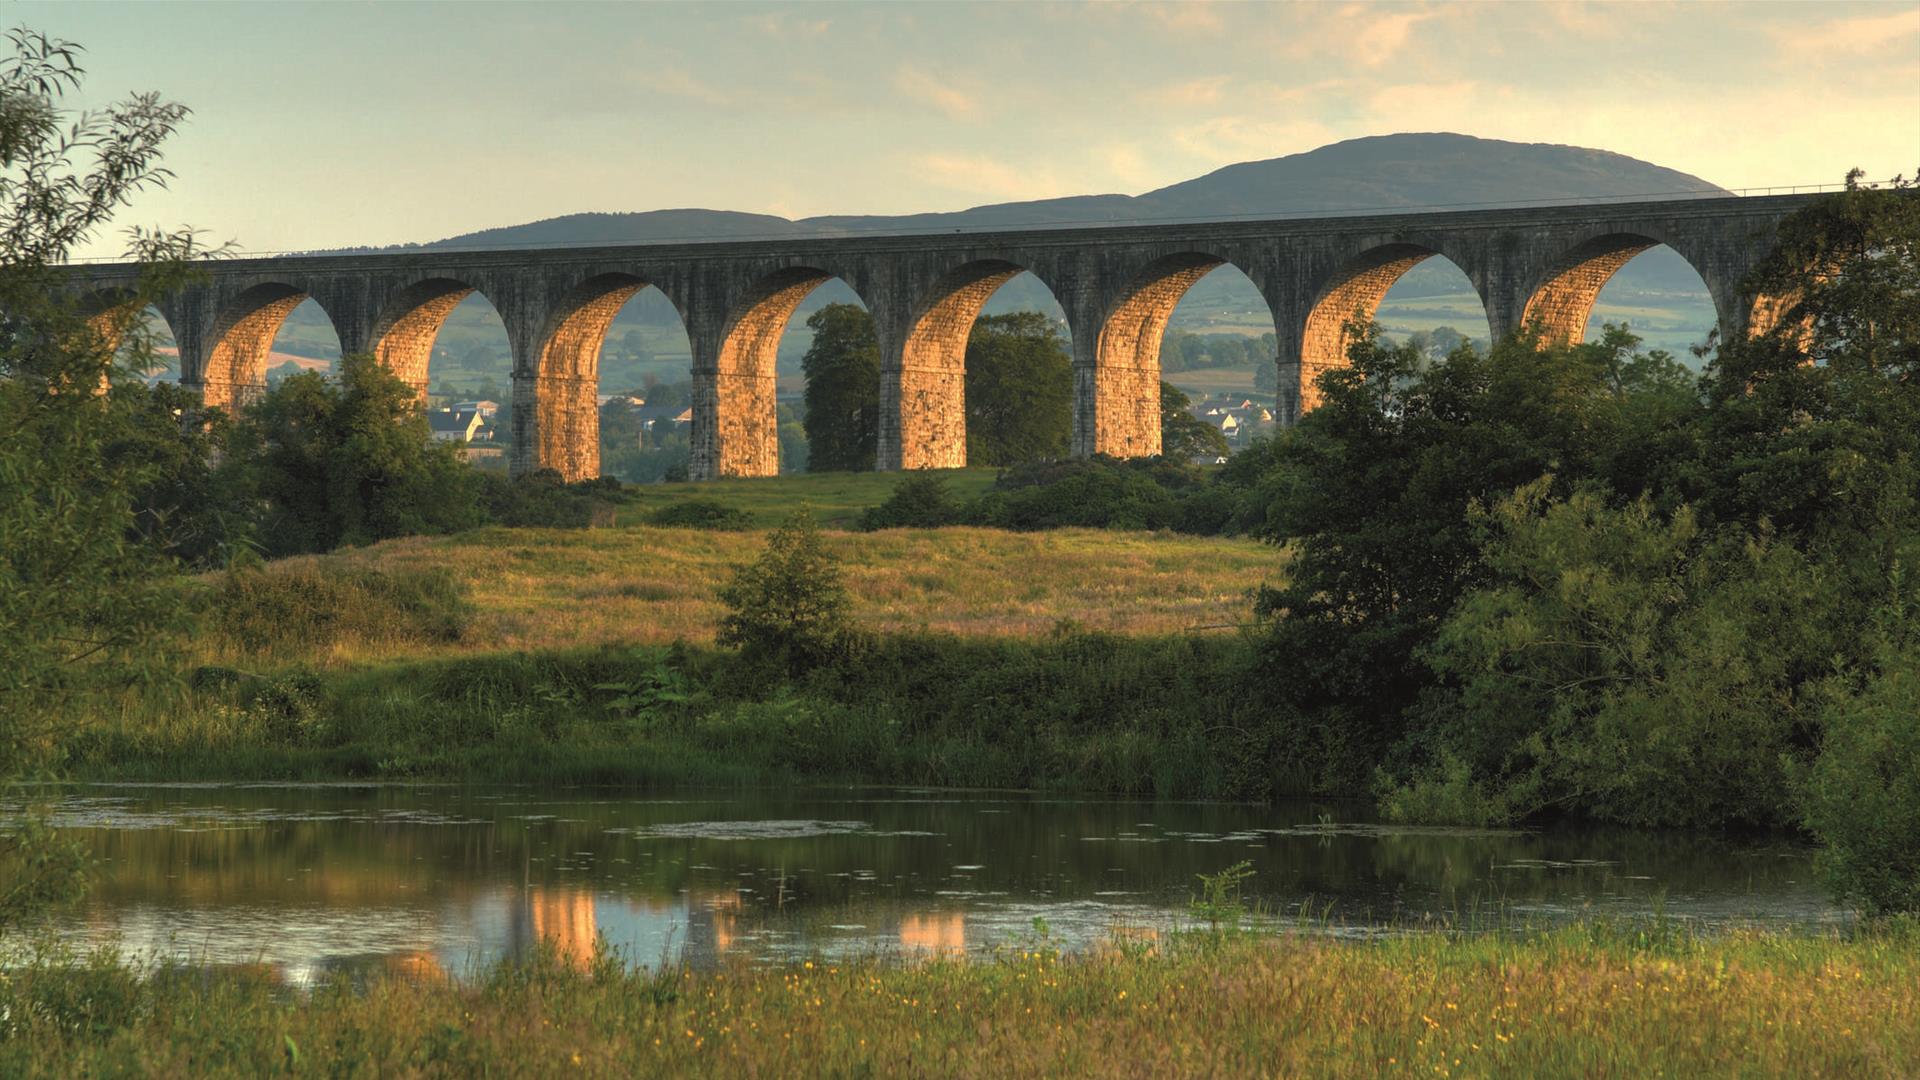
(791, 602)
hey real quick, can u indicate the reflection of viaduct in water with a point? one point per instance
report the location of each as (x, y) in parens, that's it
(1117, 284)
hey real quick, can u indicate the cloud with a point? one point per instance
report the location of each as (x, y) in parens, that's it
(982, 176)
(1204, 91)
(922, 86)
(680, 83)
(1870, 33)
(1377, 39)
(776, 24)
(1224, 140)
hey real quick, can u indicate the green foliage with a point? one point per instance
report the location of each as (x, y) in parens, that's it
(1184, 436)
(843, 390)
(306, 607)
(701, 514)
(543, 500)
(1220, 904)
(1019, 388)
(1618, 663)
(349, 462)
(81, 592)
(791, 603)
(1371, 492)
(1861, 795)
(921, 500)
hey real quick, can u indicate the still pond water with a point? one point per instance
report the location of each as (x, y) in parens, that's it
(427, 879)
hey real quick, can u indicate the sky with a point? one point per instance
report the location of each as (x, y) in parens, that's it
(324, 125)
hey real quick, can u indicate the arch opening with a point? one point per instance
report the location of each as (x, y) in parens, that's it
(1355, 292)
(1659, 296)
(610, 388)
(136, 335)
(305, 342)
(1435, 308)
(1199, 324)
(999, 316)
(1624, 278)
(444, 339)
(243, 337)
(741, 391)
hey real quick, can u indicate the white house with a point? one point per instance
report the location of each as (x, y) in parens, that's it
(455, 424)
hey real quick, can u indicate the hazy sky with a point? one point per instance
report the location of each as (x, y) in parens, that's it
(320, 125)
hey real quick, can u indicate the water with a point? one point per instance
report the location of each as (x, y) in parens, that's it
(438, 879)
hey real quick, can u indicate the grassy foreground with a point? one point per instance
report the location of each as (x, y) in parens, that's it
(559, 588)
(1584, 1001)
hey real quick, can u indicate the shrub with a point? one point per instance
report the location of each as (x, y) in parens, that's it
(701, 514)
(921, 500)
(792, 602)
(543, 499)
(302, 607)
(1861, 797)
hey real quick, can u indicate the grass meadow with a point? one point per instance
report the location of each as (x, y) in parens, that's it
(1577, 1001)
(561, 589)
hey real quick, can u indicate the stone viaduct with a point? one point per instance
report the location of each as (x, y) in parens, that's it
(1118, 284)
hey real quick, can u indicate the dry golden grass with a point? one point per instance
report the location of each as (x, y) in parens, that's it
(546, 588)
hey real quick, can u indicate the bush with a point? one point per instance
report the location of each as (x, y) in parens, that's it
(921, 500)
(302, 607)
(701, 514)
(1861, 797)
(543, 499)
(1098, 493)
(791, 603)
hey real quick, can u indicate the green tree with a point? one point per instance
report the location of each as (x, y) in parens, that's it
(81, 592)
(1372, 489)
(791, 603)
(843, 390)
(350, 461)
(1019, 387)
(1182, 434)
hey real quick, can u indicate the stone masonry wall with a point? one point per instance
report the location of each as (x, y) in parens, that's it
(1561, 307)
(1356, 293)
(236, 368)
(933, 372)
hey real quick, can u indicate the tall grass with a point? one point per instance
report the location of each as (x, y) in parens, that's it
(1074, 710)
(1581, 1001)
(561, 589)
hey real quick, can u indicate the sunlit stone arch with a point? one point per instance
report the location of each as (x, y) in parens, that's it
(735, 380)
(1351, 292)
(241, 337)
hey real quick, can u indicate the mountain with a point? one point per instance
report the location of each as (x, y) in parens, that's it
(1376, 173)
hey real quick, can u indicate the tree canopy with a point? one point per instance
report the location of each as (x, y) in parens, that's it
(1019, 386)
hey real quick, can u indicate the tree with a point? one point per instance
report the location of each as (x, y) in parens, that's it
(1019, 387)
(791, 602)
(843, 390)
(1372, 492)
(348, 462)
(1182, 434)
(80, 590)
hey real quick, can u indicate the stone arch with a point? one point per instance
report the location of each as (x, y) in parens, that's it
(1561, 303)
(236, 366)
(565, 435)
(1353, 291)
(735, 407)
(1118, 411)
(932, 391)
(409, 323)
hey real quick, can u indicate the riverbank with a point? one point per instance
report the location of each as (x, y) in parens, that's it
(1173, 717)
(1580, 1001)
